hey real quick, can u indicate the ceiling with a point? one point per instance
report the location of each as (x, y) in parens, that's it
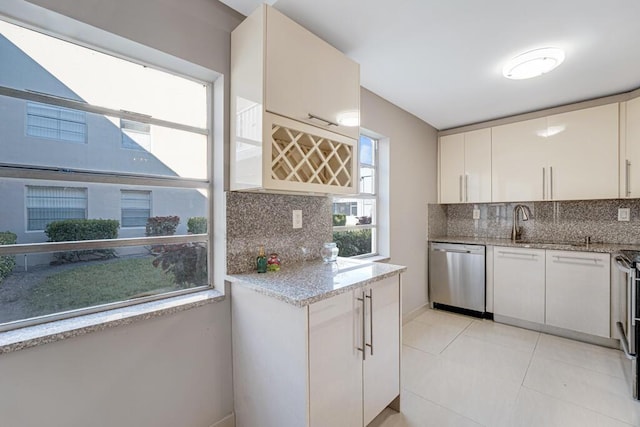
(442, 60)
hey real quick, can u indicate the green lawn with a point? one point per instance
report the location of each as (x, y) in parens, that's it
(95, 284)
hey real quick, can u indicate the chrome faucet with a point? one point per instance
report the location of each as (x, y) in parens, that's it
(516, 232)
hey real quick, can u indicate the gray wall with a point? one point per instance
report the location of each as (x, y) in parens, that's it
(411, 146)
(170, 371)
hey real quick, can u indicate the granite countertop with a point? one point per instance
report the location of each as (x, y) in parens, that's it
(563, 246)
(304, 283)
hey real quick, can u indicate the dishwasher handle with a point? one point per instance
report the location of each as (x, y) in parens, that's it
(452, 251)
(458, 248)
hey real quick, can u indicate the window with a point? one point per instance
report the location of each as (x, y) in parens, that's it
(63, 124)
(355, 218)
(106, 257)
(135, 135)
(135, 208)
(47, 204)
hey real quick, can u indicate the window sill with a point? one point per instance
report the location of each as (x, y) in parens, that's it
(32, 336)
(373, 258)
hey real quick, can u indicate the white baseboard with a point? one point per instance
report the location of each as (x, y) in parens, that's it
(406, 318)
(553, 330)
(228, 421)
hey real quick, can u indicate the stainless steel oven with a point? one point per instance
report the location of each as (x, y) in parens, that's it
(628, 325)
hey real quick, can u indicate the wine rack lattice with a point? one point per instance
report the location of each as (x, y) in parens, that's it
(302, 157)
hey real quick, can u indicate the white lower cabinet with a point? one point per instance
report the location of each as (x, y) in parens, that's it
(578, 292)
(518, 283)
(335, 362)
(381, 364)
(564, 289)
(347, 387)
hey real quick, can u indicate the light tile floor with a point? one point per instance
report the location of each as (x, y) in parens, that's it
(461, 371)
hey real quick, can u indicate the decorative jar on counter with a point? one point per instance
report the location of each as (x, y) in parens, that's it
(273, 263)
(329, 252)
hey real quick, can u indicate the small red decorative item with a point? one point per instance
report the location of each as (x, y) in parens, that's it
(273, 263)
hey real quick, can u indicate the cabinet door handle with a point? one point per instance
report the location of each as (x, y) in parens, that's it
(466, 187)
(551, 182)
(363, 348)
(543, 184)
(460, 187)
(328, 122)
(370, 296)
(517, 254)
(627, 176)
(576, 258)
(634, 301)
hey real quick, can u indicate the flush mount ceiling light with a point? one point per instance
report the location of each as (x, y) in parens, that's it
(533, 63)
(349, 118)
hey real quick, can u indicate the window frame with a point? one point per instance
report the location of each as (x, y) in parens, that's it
(84, 177)
(375, 196)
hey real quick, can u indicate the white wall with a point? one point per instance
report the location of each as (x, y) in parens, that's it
(169, 371)
(412, 185)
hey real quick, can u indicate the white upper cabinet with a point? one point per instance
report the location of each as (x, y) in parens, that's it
(519, 161)
(465, 167)
(568, 156)
(630, 155)
(583, 154)
(307, 76)
(289, 89)
(451, 168)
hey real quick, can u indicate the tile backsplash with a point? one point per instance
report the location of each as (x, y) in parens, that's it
(260, 219)
(569, 221)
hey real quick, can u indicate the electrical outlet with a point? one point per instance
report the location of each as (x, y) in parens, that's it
(297, 219)
(476, 214)
(624, 214)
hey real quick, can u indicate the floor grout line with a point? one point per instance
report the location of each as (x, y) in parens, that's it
(569, 402)
(506, 414)
(456, 337)
(441, 406)
(533, 353)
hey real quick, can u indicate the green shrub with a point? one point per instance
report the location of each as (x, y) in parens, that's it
(187, 262)
(7, 262)
(339, 219)
(197, 225)
(69, 230)
(352, 243)
(162, 225)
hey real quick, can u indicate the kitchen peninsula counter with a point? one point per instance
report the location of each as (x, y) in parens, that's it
(305, 283)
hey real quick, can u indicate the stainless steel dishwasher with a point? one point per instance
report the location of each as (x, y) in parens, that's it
(457, 276)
